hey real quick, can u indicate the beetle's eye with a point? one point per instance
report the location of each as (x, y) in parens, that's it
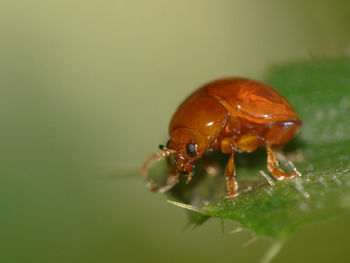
(191, 149)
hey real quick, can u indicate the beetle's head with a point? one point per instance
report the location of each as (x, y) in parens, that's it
(188, 145)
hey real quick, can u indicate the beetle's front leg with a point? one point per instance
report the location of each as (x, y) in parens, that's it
(173, 179)
(272, 166)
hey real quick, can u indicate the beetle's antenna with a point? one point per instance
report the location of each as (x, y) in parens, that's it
(155, 157)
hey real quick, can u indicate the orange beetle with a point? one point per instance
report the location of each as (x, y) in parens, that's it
(231, 114)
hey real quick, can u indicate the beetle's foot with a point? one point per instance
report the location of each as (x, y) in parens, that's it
(231, 194)
(272, 166)
(232, 186)
(281, 175)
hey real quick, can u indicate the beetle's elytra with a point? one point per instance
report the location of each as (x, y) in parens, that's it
(231, 114)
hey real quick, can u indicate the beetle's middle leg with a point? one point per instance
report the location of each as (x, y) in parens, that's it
(272, 166)
(228, 146)
(230, 172)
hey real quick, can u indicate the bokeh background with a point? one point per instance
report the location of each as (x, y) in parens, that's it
(87, 91)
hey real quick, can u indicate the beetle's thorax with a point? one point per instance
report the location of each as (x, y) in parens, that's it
(202, 114)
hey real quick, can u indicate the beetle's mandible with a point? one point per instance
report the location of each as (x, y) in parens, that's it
(231, 114)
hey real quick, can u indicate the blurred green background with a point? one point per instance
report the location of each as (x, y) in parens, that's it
(87, 91)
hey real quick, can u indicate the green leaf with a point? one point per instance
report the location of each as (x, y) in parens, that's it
(320, 93)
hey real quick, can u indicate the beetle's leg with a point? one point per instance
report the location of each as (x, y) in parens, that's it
(230, 172)
(172, 180)
(228, 145)
(272, 166)
(189, 177)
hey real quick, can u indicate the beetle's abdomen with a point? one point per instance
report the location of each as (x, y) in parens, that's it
(201, 113)
(281, 132)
